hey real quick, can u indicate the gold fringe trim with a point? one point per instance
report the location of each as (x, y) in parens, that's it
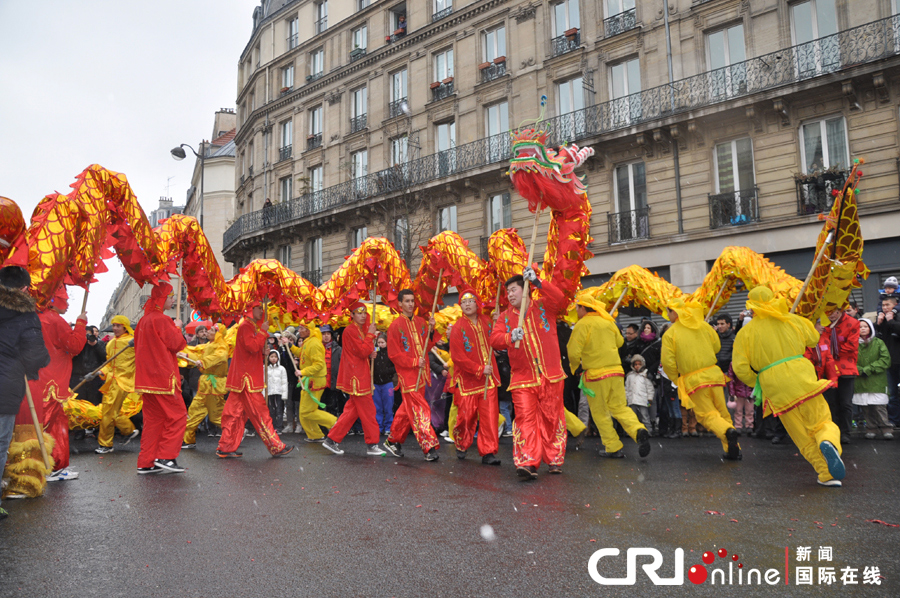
(25, 465)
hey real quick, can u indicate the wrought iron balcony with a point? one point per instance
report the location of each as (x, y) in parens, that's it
(861, 45)
(564, 44)
(314, 76)
(284, 152)
(620, 23)
(313, 276)
(629, 226)
(314, 141)
(287, 90)
(321, 25)
(358, 123)
(442, 91)
(357, 53)
(395, 108)
(441, 14)
(494, 71)
(293, 41)
(814, 192)
(734, 208)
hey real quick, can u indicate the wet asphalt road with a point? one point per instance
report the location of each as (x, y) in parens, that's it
(319, 525)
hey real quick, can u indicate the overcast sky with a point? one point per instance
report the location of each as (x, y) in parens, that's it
(115, 83)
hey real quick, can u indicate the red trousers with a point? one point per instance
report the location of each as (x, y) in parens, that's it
(363, 408)
(539, 430)
(239, 407)
(24, 416)
(165, 419)
(414, 413)
(56, 423)
(472, 409)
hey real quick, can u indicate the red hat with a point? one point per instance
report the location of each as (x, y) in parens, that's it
(467, 293)
(60, 299)
(158, 296)
(357, 306)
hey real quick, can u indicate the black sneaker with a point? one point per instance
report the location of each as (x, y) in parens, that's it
(556, 469)
(460, 454)
(490, 459)
(188, 445)
(731, 436)
(614, 455)
(393, 448)
(317, 440)
(643, 440)
(231, 455)
(332, 446)
(169, 465)
(285, 451)
(146, 470)
(432, 455)
(529, 472)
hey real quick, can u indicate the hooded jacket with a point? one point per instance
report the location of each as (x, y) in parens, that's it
(354, 377)
(689, 350)
(312, 359)
(156, 341)
(121, 369)
(22, 349)
(276, 376)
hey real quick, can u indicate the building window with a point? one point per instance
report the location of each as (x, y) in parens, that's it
(445, 134)
(401, 235)
(250, 159)
(620, 17)
(316, 179)
(442, 8)
(314, 261)
(287, 79)
(565, 17)
(399, 104)
(569, 102)
(361, 38)
(358, 110)
(632, 218)
(500, 207)
(813, 27)
(314, 139)
(443, 65)
(398, 21)
(358, 235)
(361, 4)
(399, 150)
(735, 199)
(728, 72)
(287, 140)
(316, 64)
(625, 79)
(293, 33)
(321, 16)
(359, 167)
(494, 43)
(287, 188)
(284, 255)
(824, 145)
(496, 120)
(447, 219)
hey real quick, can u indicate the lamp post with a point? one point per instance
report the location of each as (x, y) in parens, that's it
(179, 154)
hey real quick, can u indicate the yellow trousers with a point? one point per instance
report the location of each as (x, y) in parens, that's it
(201, 406)
(451, 420)
(110, 418)
(711, 412)
(809, 424)
(609, 402)
(311, 417)
(574, 425)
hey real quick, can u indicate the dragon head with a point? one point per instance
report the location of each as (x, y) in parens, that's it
(543, 176)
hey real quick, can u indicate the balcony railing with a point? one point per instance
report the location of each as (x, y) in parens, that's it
(629, 226)
(814, 193)
(620, 23)
(284, 152)
(444, 90)
(287, 90)
(313, 276)
(395, 108)
(441, 14)
(564, 44)
(293, 41)
(358, 123)
(494, 71)
(864, 44)
(734, 208)
(250, 170)
(357, 53)
(314, 76)
(321, 25)
(314, 141)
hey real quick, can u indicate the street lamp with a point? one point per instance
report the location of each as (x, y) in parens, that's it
(179, 154)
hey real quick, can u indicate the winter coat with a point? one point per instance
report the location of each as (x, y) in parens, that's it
(277, 379)
(723, 357)
(845, 343)
(639, 389)
(889, 332)
(336, 351)
(384, 368)
(22, 349)
(873, 363)
(90, 358)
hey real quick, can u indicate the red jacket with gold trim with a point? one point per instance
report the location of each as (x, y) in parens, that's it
(355, 374)
(470, 350)
(248, 370)
(156, 341)
(538, 353)
(63, 343)
(406, 345)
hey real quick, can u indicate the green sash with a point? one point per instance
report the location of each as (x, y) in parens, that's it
(304, 384)
(757, 390)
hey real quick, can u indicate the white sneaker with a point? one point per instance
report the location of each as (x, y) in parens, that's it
(332, 446)
(132, 436)
(288, 429)
(830, 483)
(870, 435)
(444, 433)
(888, 436)
(376, 451)
(62, 475)
(449, 439)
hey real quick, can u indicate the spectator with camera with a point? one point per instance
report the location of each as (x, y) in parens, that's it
(887, 326)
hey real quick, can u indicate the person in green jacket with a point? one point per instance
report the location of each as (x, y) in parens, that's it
(870, 391)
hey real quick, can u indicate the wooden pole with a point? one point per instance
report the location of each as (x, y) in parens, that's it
(102, 365)
(84, 303)
(811, 271)
(374, 321)
(487, 377)
(437, 290)
(716, 300)
(618, 301)
(525, 290)
(38, 428)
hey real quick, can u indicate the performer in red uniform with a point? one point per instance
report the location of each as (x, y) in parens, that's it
(52, 388)
(537, 377)
(474, 367)
(355, 379)
(157, 341)
(408, 349)
(246, 383)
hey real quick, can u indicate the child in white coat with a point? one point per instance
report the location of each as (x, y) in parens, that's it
(639, 390)
(276, 387)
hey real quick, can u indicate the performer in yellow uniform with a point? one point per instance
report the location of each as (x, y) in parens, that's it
(688, 358)
(593, 346)
(210, 398)
(312, 376)
(119, 376)
(768, 354)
